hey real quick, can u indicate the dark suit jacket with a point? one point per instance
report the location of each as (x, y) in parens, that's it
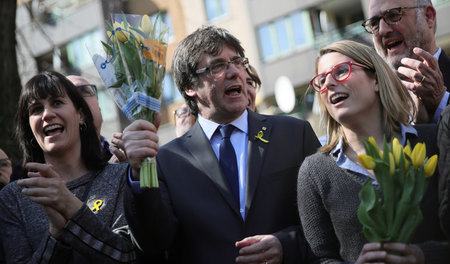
(444, 66)
(443, 139)
(198, 219)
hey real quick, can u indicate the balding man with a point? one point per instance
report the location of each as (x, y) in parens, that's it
(403, 33)
(89, 93)
(5, 169)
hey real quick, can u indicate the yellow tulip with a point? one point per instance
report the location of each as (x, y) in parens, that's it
(138, 36)
(146, 24)
(418, 155)
(407, 150)
(372, 141)
(391, 164)
(367, 161)
(120, 32)
(381, 154)
(397, 150)
(430, 166)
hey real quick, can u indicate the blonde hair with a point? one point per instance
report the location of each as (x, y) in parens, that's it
(396, 103)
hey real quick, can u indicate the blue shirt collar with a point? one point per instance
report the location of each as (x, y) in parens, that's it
(209, 127)
(438, 53)
(345, 163)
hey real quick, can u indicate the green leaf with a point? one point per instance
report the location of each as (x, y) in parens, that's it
(410, 225)
(131, 60)
(371, 215)
(405, 204)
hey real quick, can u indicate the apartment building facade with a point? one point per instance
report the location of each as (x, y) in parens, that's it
(281, 39)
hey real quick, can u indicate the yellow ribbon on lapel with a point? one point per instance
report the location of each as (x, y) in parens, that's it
(260, 137)
(97, 205)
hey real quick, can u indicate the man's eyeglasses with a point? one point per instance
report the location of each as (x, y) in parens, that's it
(5, 163)
(87, 90)
(340, 73)
(219, 67)
(391, 17)
(181, 112)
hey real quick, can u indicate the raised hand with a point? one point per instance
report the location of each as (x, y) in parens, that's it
(46, 187)
(424, 78)
(139, 140)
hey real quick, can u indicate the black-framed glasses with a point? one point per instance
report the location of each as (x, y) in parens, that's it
(391, 17)
(5, 163)
(87, 90)
(340, 73)
(220, 67)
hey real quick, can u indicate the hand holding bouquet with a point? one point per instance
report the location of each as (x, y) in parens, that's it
(394, 215)
(133, 71)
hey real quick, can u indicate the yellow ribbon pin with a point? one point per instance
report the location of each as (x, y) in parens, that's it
(96, 206)
(260, 137)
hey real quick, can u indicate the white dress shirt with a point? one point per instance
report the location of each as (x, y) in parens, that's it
(239, 140)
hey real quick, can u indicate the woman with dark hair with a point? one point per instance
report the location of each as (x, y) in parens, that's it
(70, 208)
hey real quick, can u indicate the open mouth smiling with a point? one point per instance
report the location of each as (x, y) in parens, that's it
(52, 129)
(338, 97)
(390, 44)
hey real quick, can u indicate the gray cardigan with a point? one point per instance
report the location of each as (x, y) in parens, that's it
(328, 202)
(98, 236)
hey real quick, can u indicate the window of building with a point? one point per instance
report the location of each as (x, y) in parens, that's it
(80, 49)
(216, 9)
(284, 35)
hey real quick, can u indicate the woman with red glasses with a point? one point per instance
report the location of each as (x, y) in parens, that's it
(361, 97)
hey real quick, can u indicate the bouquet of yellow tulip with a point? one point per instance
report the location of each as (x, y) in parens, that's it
(133, 71)
(394, 215)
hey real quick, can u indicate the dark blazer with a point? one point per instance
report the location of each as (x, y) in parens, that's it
(443, 139)
(444, 66)
(198, 219)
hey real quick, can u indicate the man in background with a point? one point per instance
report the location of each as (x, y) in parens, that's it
(403, 33)
(5, 169)
(90, 95)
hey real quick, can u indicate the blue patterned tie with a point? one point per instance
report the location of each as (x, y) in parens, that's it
(227, 159)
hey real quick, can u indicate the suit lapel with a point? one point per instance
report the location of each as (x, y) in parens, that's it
(444, 66)
(258, 141)
(200, 148)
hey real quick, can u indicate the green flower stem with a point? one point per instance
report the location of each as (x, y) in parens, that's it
(148, 175)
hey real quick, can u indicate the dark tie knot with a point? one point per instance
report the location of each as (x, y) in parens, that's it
(226, 131)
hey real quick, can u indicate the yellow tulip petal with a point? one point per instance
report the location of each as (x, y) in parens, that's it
(397, 150)
(372, 141)
(146, 24)
(407, 150)
(430, 166)
(367, 161)
(418, 155)
(139, 38)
